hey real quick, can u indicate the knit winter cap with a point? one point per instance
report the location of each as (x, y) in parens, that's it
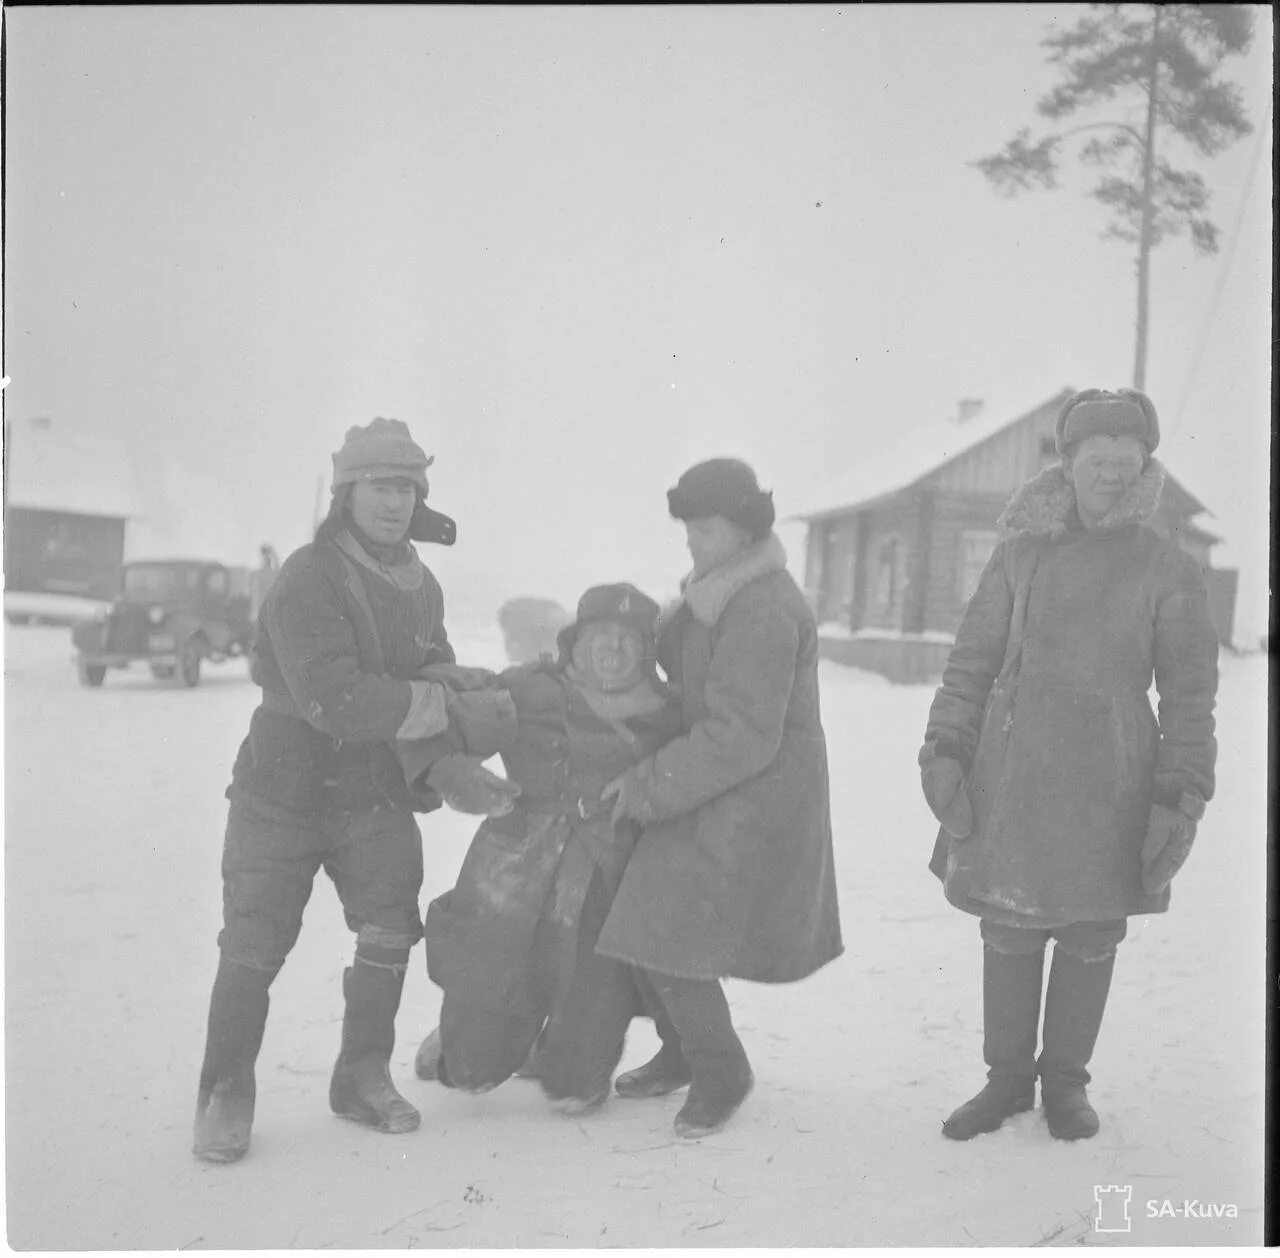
(1103, 412)
(622, 603)
(383, 447)
(723, 487)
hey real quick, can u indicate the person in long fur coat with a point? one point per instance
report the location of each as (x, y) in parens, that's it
(733, 875)
(1065, 805)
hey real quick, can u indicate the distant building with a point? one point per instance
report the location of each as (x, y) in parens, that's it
(66, 503)
(895, 548)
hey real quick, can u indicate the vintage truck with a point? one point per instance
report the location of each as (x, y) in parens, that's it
(172, 615)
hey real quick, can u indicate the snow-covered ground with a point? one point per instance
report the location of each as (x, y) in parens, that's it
(113, 825)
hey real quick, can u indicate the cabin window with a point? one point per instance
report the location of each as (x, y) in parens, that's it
(888, 573)
(216, 582)
(976, 546)
(1048, 449)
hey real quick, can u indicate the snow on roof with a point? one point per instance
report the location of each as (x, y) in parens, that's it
(920, 451)
(50, 471)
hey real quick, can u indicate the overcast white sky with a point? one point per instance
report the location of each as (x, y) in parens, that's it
(577, 249)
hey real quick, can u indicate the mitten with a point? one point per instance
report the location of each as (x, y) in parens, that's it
(942, 780)
(467, 786)
(1170, 834)
(486, 720)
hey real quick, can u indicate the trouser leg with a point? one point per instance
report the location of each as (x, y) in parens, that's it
(269, 858)
(375, 861)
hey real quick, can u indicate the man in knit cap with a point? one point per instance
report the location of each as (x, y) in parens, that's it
(353, 660)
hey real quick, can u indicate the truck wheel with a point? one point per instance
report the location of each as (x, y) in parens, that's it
(189, 664)
(91, 674)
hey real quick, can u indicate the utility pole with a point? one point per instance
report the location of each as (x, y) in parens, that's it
(1148, 208)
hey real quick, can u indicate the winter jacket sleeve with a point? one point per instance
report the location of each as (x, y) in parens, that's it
(748, 689)
(955, 718)
(1186, 674)
(441, 650)
(316, 650)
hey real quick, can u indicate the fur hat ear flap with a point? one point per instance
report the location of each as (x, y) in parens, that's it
(426, 525)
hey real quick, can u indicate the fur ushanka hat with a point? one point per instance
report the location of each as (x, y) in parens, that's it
(723, 487)
(1110, 413)
(621, 603)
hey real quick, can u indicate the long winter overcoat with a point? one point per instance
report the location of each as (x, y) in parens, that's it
(506, 934)
(1066, 762)
(335, 692)
(733, 875)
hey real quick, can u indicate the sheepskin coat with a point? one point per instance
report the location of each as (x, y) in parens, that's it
(1063, 752)
(733, 873)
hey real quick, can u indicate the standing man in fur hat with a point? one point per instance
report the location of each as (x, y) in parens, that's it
(352, 658)
(1065, 805)
(733, 874)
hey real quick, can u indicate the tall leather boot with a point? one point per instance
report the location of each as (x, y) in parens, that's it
(225, 1099)
(361, 1087)
(1010, 1018)
(667, 1070)
(1074, 1005)
(722, 1077)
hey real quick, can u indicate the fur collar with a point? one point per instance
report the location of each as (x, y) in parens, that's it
(708, 595)
(1046, 504)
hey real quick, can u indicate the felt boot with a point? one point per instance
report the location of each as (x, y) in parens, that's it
(1074, 1005)
(361, 1087)
(225, 1099)
(1010, 1018)
(721, 1075)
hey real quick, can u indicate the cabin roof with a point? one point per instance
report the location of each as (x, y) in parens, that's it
(917, 454)
(923, 451)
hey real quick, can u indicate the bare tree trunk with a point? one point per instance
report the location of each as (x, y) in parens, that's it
(1148, 209)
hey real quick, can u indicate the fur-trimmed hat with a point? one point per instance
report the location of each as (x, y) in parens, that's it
(621, 603)
(383, 447)
(1110, 413)
(723, 487)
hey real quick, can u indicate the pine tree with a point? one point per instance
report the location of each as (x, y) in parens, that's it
(1163, 61)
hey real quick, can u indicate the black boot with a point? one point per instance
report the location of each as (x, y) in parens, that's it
(667, 1071)
(224, 1103)
(1074, 1005)
(721, 1074)
(361, 1087)
(1010, 1019)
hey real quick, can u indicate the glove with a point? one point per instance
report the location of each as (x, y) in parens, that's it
(486, 720)
(1170, 834)
(942, 780)
(467, 786)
